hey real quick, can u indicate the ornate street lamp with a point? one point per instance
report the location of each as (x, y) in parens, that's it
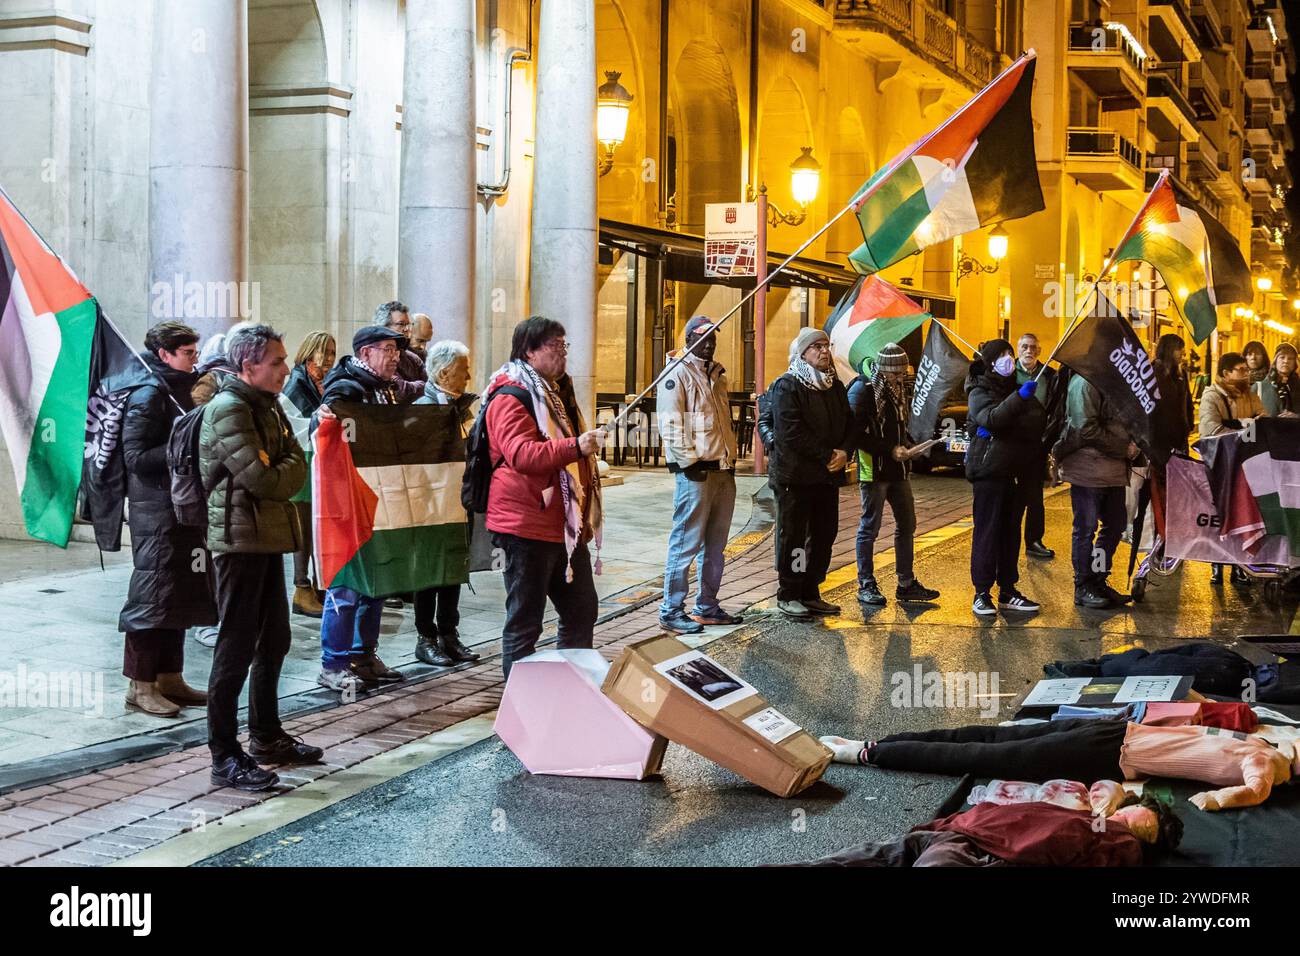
(805, 179)
(969, 265)
(613, 104)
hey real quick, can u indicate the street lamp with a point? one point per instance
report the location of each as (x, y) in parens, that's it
(968, 264)
(613, 103)
(805, 179)
(1263, 283)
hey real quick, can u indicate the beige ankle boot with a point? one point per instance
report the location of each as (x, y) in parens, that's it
(143, 695)
(174, 688)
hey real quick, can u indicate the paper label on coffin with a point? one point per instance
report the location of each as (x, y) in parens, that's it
(555, 719)
(745, 734)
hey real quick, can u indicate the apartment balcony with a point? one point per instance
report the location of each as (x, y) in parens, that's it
(1102, 159)
(1203, 90)
(1259, 81)
(1261, 202)
(1169, 113)
(1108, 63)
(1175, 17)
(1205, 14)
(1202, 161)
(1167, 159)
(1259, 44)
(1280, 79)
(1277, 118)
(902, 29)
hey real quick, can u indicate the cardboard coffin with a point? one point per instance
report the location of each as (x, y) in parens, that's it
(692, 700)
(555, 719)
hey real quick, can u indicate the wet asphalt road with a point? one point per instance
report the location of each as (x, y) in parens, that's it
(479, 806)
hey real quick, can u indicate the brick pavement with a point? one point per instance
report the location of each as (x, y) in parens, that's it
(98, 818)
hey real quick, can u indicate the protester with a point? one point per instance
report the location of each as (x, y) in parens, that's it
(1007, 424)
(812, 428)
(694, 416)
(1029, 484)
(313, 362)
(1088, 749)
(1175, 413)
(544, 500)
(410, 366)
(254, 466)
(213, 369)
(1227, 405)
(1094, 456)
(1031, 833)
(421, 333)
(1279, 391)
(349, 627)
(437, 609)
(879, 405)
(1257, 361)
(170, 589)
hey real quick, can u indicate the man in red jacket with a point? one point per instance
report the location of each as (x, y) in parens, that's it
(544, 500)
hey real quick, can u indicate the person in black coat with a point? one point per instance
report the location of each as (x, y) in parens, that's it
(170, 589)
(313, 362)
(811, 440)
(1006, 425)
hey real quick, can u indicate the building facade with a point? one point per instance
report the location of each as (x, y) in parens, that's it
(303, 161)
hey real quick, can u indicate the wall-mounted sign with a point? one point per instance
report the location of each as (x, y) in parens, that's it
(730, 239)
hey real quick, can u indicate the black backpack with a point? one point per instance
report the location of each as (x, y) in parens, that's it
(189, 497)
(478, 456)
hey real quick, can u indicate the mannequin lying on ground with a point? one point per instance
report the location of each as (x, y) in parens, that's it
(1244, 766)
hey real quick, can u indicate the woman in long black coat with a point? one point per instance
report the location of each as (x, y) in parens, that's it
(170, 588)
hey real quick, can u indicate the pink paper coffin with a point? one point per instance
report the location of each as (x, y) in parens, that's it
(554, 718)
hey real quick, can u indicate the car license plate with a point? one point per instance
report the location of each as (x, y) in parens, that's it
(957, 445)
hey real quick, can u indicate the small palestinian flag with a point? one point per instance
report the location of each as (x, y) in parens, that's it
(975, 170)
(870, 315)
(386, 505)
(47, 332)
(1197, 258)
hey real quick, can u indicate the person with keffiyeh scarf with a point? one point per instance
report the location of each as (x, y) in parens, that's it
(812, 430)
(544, 502)
(879, 404)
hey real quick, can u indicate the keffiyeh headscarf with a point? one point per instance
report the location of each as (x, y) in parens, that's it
(891, 358)
(808, 376)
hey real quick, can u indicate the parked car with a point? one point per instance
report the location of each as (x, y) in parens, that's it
(950, 450)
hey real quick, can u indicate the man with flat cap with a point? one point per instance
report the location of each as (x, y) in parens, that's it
(694, 413)
(349, 627)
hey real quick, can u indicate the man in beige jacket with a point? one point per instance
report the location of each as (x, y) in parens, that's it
(694, 414)
(1225, 406)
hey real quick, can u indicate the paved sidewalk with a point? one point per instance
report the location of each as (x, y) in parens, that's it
(99, 818)
(58, 622)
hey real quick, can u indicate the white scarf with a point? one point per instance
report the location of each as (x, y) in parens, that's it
(553, 421)
(809, 376)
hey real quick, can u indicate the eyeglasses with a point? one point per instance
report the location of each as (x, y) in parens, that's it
(819, 347)
(388, 349)
(556, 345)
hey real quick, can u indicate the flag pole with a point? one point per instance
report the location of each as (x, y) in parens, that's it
(690, 350)
(955, 335)
(1160, 180)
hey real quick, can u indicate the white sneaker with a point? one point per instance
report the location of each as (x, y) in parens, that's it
(341, 681)
(207, 636)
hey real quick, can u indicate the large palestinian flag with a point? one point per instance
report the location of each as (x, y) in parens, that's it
(47, 330)
(1200, 263)
(870, 315)
(975, 170)
(1264, 498)
(386, 508)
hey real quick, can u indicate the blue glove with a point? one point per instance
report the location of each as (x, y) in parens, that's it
(983, 432)
(1027, 389)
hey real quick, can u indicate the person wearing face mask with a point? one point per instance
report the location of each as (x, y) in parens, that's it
(349, 630)
(1225, 406)
(1030, 489)
(812, 437)
(1279, 391)
(1006, 423)
(313, 362)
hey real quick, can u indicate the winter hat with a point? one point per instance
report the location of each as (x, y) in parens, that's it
(806, 337)
(891, 358)
(696, 323)
(991, 350)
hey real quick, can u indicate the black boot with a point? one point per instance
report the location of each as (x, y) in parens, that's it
(429, 650)
(1240, 577)
(1216, 574)
(450, 643)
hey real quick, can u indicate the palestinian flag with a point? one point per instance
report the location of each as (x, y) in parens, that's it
(870, 315)
(47, 332)
(1265, 495)
(1200, 263)
(386, 508)
(975, 170)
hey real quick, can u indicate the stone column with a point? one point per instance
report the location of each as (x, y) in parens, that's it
(436, 244)
(562, 275)
(198, 163)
